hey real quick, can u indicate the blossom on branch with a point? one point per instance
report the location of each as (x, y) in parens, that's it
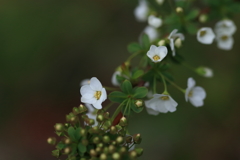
(173, 35)
(154, 21)
(205, 35)
(141, 11)
(194, 94)
(156, 54)
(93, 93)
(160, 103)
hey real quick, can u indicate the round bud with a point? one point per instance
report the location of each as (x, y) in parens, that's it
(178, 42)
(83, 132)
(91, 122)
(100, 118)
(179, 10)
(93, 153)
(123, 121)
(67, 141)
(51, 140)
(82, 108)
(56, 153)
(105, 150)
(139, 151)
(96, 140)
(67, 150)
(59, 127)
(203, 18)
(161, 43)
(116, 156)
(100, 145)
(75, 110)
(113, 130)
(133, 154)
(111, 148)
(129, 139)
(114, 142)
(123, 150)
(119, 140)
(106, 139)
(139, 103)
(137, 138)
(98, 149)
(103, 156)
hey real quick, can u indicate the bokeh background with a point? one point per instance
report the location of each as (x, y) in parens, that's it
(48, 47)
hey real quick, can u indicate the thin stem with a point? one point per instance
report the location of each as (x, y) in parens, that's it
(171, 5)
(117, 111)
(188, 66)
(164, 83)
(174, 84)
(108, 106)
(154, 85)
(126, 107)
(132, 56)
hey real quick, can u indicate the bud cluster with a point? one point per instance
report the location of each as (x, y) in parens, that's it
(81, 140)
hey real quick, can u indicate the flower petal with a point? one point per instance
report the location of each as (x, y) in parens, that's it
(97, 105)
(88, 100)
(199, 92)
(95, 84)
(191, 82)
(86, 89)
(152, 112)
(196, 101)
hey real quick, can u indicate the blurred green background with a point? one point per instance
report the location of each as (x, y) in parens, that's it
(48, 47)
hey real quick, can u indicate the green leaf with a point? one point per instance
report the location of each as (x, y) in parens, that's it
(191, 28)
(193, 14)
(82, 148)
(137, 74)
(117, 96)
(145, 41)
(127, 87)
(134, 107)
(60, 145)
(77, 133)
(140, 92)
(134, 47)
(71, 133)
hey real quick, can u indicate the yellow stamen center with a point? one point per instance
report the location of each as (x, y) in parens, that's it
(164, 98)
(97, 94)
(190, 94)
(156, 57)
(202, 33)
(224, 38)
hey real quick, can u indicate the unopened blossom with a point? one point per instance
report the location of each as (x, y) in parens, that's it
(194, 94)
(224, 41)
(205, 71)
(93, 93)
(173, 35)
(225, 26)
(114, 78)
(154, 21)
(160, 103)
(160, 2)
(156, 54)
(141, 11)
(151, 32)
(205, 35)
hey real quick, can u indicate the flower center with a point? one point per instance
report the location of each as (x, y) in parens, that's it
(156, 57)
(164, 98)
(97, 94)
(224, 38)
(203, 33)
(190, 94)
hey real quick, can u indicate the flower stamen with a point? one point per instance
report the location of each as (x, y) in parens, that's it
(156, 57)
(190, 94)
(224, 37)
(97, 94)
(164, 98)
(202, 33)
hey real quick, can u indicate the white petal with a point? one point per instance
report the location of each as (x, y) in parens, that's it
(97, 105)
(88, 100)
(151, 32)
(152, 112)
(154, 21)
(196, 101)
(88, 96)
(171, 105)
(180, 35)
(114, 78)
(199, 92)
(162, 50)
(162, 107)
(208, 37)
(141, 11)
(89, 107)
(225, 26)
(153, 48)
(86, 89)
(104, 95)
(225, 44)
(191, 82)
(95, 84)
(172, 33)
(85, 82)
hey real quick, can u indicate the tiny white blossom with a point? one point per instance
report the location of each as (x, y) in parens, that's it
(224, 41)
(160, 2)
(225, 26)
(173, 35)
(93, 93)
(154, 21)
(141, 11)
(156, 54)
(114, 78)
(92, 113)
(205, 35)
(205, 71)
(194, 94)
(151, 32)
(160, 103)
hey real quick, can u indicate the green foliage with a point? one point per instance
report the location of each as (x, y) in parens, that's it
(134, 47)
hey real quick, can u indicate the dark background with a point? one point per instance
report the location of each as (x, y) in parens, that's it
(48, 47)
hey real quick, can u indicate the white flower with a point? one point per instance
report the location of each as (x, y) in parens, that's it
(154, 21)
(156, 54)
(194, 94)
(114, 78)
(92, 113)
(205, 35)
(225, 26)
(160, 2)
(93, 93)
(160, 103)
(84, 82)
(205, 71)
(151, 32)
(224, 41)
(173, 35)
(141, 11)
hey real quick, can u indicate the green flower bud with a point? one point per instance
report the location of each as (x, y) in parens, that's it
(113, 130)
(103, 156)
(100, 118)
(93, 153)
(123, 121)
(75, 110)
(137, 138)
(67, 141)
(98, 150)
(116, 156)
(114, 142)
(106, 150)
(59, 127)
(96, 140)
(122, 132)
(119, 140)
(106, 139)
(133, 154)
(82, 108)
(67, 150)
(179, 10)
(139, 103)
(203, 18)
(139, 151)
(83, 132)
(123, 150)
(111, 148)
(106, 115)
(162, 43)
(100, 145)
(51, 140)
(85, 142)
